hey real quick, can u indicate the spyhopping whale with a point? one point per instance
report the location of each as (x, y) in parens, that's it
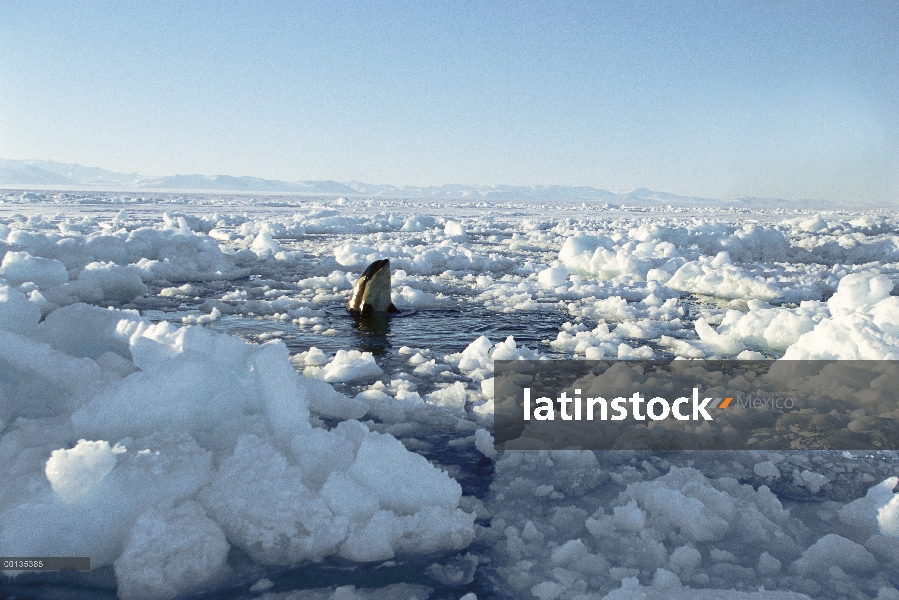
(371, 294)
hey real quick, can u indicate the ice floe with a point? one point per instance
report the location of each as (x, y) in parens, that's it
(139, 441)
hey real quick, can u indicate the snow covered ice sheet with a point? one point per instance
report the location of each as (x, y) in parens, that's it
(184, 399)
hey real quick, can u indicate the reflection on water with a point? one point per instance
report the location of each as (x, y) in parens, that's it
(373, 333)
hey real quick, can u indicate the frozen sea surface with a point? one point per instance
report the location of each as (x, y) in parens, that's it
(184, 399)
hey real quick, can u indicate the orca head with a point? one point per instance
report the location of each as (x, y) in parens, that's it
(371, 294)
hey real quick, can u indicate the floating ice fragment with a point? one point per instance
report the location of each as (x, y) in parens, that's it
(454, 229)
(452, 396)
(553, 276)
(812, 481)
(263, 585)
(719, 344)
(19, 267)
(476, 360)
(351, 365)
(419, 223)
(888, 517)
(767, 565)
(17, 313)
(264, 508)
(548, 590)
(834, 550)
(857, 291)
(766, 469)
(455, 572)
(877, 512)
(629, 517)
(483, 441)
(264, 245)
(202, 319)
(314, 357)
(863, 323)
(685, 559)
(183, 290)
(100, 281)
(666, 580)
(723, 280)
(405, 296)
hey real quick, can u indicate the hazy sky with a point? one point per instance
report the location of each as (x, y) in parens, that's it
(793, 99)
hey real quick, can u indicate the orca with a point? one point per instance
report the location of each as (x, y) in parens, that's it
(371, 294)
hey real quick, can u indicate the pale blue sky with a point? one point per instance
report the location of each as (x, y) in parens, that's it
(793, 99)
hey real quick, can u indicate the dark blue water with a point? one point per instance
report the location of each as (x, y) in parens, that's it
(443, 331)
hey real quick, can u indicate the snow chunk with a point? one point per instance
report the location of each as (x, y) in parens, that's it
(454, 229)
(767, 469)
(83, 330)
(402, 481)
(718, 277)
(685, 559)
(419, 223)
(812, 481)
(858, 291)
(97, 524)
(553, 276)
(351, 365)
(432, 529)
(601, 257)
(476, 360)
(264, 508)
(719, 344)
(264, 245)
(833, 550)
(770, 329)
(877, 512)
(17, 313)
(105, 280)
(409, 297)
(72, 473)
(452, 396)
(813, 224)
(702, 510)
(629, 517)
(171, 552)
(19, 267)
(182, 290)
(864, 324)
(483, 441)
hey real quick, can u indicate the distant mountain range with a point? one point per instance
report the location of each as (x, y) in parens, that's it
(35, 173)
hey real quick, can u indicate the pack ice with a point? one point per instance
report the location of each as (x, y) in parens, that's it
(143, 443)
